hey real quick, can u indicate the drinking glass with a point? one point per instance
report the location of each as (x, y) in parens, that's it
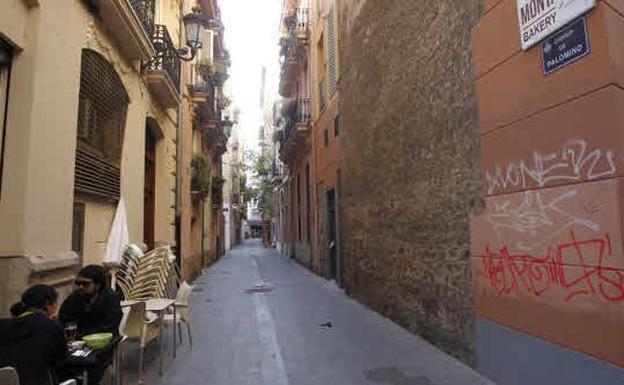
(70, 331)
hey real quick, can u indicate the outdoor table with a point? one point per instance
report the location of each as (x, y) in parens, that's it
(83, 363)
(159, 305)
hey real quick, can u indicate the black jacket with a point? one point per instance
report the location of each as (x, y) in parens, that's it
(103, 314)
(34, 345)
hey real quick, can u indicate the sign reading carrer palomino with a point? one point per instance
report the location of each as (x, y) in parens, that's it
(540, 18)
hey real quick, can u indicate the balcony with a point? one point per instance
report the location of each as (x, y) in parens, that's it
(289, 64)
(163, 70)
(131, 22)
(296, 128)
(302, 25)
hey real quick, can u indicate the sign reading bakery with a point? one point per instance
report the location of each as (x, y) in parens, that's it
(540, 18)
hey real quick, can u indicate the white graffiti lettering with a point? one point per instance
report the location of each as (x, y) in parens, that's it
(573, 162)
(537, 221)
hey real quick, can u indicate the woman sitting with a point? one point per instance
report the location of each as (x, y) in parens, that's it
(32, 342)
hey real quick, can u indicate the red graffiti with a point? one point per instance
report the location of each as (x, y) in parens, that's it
(576, 267)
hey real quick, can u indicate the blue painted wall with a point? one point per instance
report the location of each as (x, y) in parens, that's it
(509, 357)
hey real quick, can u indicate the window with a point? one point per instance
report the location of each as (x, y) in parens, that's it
(326, 138)
(5, 77)
(337, 126)
(308, 222)
(101, 120)
(78, 225)
(322, 95)
(299, 205)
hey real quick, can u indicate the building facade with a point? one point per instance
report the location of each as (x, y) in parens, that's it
(209, 133)
(92, 112)
(481, 198)
(306, 170)
(547, 249)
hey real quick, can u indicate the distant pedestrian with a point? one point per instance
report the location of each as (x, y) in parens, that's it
(32, 342)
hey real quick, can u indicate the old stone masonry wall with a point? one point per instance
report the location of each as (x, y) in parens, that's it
(410, 163)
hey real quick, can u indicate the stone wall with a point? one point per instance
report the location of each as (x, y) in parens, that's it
(410, 163)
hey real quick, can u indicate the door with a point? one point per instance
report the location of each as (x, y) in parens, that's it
(149, 191)
(332, 246)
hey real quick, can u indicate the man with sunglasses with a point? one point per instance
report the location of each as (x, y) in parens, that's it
(94, 308)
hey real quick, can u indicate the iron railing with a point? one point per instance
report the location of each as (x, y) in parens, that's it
(303, 110)
(297, 114)
(145, 10)
(166, 58)
(302, 21)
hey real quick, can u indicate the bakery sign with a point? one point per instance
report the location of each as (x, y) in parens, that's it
(540, 18)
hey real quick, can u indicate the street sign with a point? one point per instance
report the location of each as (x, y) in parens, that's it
(567, 45)
(540, 18)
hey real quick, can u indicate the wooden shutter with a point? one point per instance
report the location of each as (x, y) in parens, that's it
(101, 119)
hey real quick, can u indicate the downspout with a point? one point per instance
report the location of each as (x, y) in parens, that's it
(179, 169)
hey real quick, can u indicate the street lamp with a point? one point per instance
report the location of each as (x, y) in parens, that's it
(226, 126)
(194, 25)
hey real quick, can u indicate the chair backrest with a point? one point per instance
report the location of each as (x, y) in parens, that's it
(184, 293)
(125, 311)
(8, 376)
(133, 325)
(182, 301)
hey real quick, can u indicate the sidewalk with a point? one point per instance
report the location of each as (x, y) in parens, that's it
(260, 319)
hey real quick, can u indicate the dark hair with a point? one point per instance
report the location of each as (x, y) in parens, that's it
(36, 297)
(96, 273)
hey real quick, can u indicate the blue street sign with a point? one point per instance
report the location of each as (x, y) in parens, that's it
(568, 44)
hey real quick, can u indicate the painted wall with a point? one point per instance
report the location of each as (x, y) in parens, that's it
(37, 195)
(547, 249)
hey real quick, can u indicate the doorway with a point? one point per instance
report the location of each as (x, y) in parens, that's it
(332, 235)
(149, 191)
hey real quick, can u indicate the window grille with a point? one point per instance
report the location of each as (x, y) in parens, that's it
(102, 107)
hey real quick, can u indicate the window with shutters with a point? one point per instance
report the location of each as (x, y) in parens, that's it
(332, 61)
(5, 76)
(102, 106)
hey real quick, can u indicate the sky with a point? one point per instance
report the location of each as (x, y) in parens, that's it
(251, 36)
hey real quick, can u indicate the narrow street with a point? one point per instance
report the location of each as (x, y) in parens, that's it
(259, 318)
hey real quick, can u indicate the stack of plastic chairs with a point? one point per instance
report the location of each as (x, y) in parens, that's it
(150, 275)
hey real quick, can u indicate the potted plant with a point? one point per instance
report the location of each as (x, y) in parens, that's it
(201, 175)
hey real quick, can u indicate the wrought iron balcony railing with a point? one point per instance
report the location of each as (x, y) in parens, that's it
(303, 19)
(145, 10)
(303, 110)
(298, 114)
(166, 58)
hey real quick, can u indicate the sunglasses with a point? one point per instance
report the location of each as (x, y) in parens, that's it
(82, 283)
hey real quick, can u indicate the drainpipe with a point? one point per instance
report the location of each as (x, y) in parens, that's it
(179, 169)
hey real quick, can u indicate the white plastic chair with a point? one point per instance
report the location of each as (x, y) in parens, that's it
(143, 327)
(182, 310)
(8, 376)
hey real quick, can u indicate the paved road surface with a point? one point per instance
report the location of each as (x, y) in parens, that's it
(260, 319)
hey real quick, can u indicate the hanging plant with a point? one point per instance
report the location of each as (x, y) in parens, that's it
(201, 172)
(278, 136)
(205, 68)
(217, 190)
